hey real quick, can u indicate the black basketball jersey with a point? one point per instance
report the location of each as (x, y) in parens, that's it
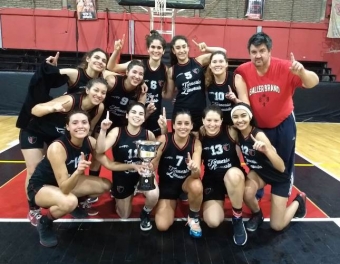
(216, 95)
(125, 150)
(173, 162)
(219, 154)
(117, 100)
(53, 125)
(189, 80)
(80, 83)
(258, 162)
(44, 174)
(155, 80)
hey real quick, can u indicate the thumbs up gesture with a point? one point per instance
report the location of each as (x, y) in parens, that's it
(258, 145)
(106, 123)
(296, 67)
(191, 164)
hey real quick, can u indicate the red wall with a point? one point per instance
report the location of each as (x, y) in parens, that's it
(56, 30)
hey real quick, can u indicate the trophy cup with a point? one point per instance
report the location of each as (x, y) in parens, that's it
(146, 150)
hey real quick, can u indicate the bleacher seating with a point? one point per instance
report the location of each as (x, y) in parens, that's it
(28, 60)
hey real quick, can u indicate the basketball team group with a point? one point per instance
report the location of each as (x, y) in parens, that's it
(219, 119)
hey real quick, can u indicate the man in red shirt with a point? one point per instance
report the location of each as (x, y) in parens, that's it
(268, 85)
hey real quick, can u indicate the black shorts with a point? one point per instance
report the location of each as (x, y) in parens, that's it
(124, 185)
(213, 189)
(31, 140)
(32, 190)
(170, 189)
(282, 188)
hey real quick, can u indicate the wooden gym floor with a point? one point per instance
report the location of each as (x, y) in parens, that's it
(309, 240)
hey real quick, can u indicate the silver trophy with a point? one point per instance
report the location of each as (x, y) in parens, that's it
(147, 150)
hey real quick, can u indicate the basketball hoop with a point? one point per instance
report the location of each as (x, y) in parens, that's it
(160, 7)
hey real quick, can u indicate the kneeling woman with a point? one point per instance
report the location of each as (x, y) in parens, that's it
(266, 167)
(179, 169)
(222, 173)
(125, 167)
(59, 178)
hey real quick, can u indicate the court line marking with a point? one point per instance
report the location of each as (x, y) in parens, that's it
(318, 166)
(10, 145)
(7, 182)
(180, 219)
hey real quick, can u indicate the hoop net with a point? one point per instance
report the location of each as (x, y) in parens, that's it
(160, 7)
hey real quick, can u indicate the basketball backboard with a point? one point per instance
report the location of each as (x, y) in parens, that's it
(177, 4)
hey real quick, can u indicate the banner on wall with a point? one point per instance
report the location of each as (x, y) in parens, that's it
(255, 9)
(86, 9)
(334, 22)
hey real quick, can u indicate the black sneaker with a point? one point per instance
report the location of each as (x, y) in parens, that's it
(254, 222)
(302, 209)
(46, 234)
(240, 235)
(145, 223)
(79, 213)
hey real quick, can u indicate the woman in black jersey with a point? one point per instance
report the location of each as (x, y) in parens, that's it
(218, 83)
(59, 178)
(179, 167)
(93, 65)
(155, 76)
(48, 123)
(126, 165)
(223, 173)
(187, 76)
(266, 167)
(122, 89)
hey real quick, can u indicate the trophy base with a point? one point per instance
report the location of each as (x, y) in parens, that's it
(146, 183)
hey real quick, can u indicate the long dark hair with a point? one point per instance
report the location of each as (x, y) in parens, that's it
(84, 64)
(173, 57)
(154, 35)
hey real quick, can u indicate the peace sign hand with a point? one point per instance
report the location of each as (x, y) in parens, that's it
(296, 67)
(230, 95)
(162, 122)
(191, 164)
(53, 60)
(202, 46)
(83, 164)
(60, 107)
(258, 145)
(106, 123)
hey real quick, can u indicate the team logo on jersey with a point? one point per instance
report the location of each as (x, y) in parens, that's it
(60, 130)
(120, 189)
(226, 147)
(161, 83)
(208, 190)
(263, 99)
(196, 70)
(251, 152)
(32, 140)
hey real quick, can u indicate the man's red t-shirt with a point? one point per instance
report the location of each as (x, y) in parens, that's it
(271, 95)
